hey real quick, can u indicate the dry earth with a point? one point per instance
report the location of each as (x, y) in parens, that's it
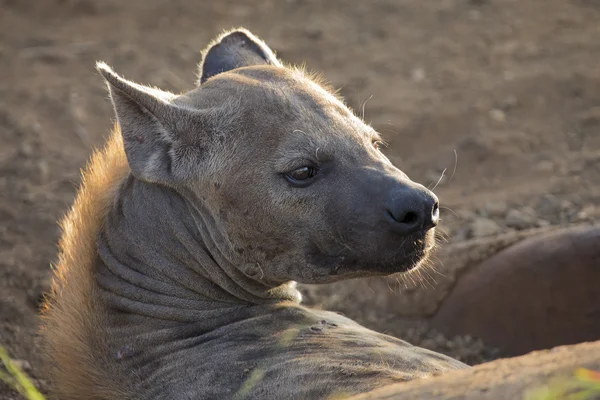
(503, 95)
(522, 377)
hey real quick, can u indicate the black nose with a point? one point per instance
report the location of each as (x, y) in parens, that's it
(412, 209)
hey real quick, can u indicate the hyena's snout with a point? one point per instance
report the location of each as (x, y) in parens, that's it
(411, 208)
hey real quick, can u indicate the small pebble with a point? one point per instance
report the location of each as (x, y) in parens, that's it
(498, 115)
(23, 365)
(509, 102)
(418, 75)
(484, 227)
(521, 219)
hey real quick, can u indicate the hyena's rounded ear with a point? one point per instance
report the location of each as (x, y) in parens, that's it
(234, 49)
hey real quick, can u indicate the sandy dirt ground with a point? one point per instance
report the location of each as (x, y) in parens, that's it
(502, 95)
(538, 375)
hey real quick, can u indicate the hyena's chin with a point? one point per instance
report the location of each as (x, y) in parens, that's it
(415, 251)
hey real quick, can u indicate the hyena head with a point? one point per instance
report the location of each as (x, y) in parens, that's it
(283, 179)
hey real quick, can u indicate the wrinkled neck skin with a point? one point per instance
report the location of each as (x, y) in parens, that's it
(163, 265)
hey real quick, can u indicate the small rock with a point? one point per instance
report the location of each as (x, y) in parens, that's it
(496, 208)
(587, 213)
(485, 227)
(418, 75)
(566, 205)
(43, 169)
(498, 115)
(542, 223)
(548, 205)
(509, 102)
(26, 149)
(23, 365)
(440, 339)
(314, 32)
(41, 384)
(521, 219)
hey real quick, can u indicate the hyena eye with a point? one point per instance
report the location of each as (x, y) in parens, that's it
(377, 144)
(301, 176)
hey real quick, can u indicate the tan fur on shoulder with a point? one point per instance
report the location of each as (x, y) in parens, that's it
(71, 315)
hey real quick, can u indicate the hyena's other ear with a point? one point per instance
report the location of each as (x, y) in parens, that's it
(235, 49)
(145, 117)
